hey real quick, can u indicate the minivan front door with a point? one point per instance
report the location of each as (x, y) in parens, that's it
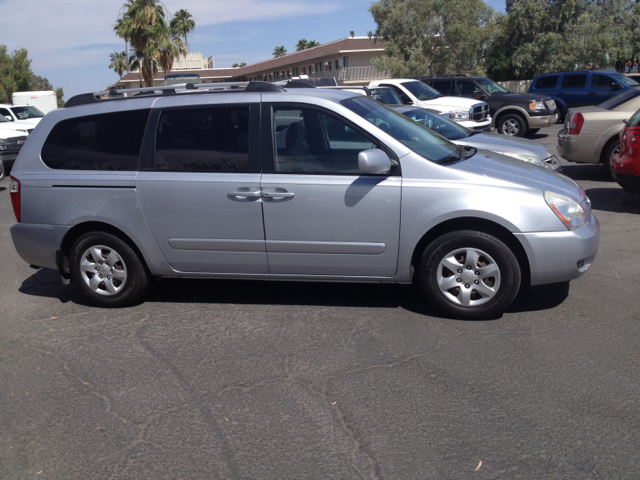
(322, 217)
(203, 201)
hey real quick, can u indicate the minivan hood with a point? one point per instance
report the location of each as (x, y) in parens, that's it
(503, 143)
(516, 171)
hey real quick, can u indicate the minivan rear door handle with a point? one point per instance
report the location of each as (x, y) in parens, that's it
(278, 194)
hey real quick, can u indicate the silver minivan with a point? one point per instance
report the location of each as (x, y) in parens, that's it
(287, 184)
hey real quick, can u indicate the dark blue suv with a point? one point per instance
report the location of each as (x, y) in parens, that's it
(579, 89)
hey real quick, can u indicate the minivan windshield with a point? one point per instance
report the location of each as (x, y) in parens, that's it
(414, 136)
(23, 113)
(420, 90)
(618, 100)
(439, 124)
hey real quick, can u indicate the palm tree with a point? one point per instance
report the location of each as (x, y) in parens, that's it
(123, 28)
(169, 45)
(183, 23)
(147, 19)
(279, 51)
(312, 44)
(302, 45)
(119, 62)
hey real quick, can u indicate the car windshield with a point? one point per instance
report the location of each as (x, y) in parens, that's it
(491, 86)
(629, 82)
(23, 113)
(621, 99)
(420, 90)
(439, 124)
(413, 135)
(388, 96)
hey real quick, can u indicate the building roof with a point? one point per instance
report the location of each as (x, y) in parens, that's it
(342, 46)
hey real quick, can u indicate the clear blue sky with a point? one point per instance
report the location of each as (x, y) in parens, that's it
(69, 42)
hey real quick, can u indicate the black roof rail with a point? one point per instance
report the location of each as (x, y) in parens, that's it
(298, 84)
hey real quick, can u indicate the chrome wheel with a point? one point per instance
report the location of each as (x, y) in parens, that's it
(103, 270)
(468, 277)
(511, 127)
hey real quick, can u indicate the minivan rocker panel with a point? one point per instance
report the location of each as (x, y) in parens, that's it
(286, 216)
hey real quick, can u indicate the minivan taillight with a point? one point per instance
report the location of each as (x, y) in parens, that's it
(577, 120)
(14, 193)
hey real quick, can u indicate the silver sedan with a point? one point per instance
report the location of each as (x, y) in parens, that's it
(520, 148)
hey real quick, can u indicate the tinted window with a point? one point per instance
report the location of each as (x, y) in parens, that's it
(465, 88)
(22, 113)
(601, 81)
(442, 86)
(574, 81)
(110, 141)
(438, 123)
(629, 82)
(547, 82)
(5, 113)
(420, 90)
(309, 141)
(203, 140)
(620, 99)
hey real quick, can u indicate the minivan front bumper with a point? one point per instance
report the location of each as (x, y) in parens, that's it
(561, 256)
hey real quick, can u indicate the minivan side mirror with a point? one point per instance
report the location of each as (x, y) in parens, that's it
(374, 162)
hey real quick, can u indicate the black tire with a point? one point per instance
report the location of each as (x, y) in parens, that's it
(512, 124)
(128, 280)
(484, 300)
(608, 152)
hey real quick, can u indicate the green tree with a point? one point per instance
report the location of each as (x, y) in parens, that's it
(279, 51)
(39, 84)
(312, 43)
(60, 97)
(169, 45)
(119, 62)
(302, 45)
(432, 37)
(123, 28)
(15, 73)
(236, 65)
(183, 23)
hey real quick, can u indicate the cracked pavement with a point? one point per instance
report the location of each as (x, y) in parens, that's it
(230, 379)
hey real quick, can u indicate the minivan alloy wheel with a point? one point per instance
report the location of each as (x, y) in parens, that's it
(103, 270)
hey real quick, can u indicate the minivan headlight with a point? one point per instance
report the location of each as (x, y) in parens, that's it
(527, 158)
(460, 115)
(568, 210)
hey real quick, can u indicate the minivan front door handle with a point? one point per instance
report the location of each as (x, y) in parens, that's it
(276, 194)
(247, 194)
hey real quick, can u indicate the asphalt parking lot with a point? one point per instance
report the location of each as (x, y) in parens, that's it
(229, 379)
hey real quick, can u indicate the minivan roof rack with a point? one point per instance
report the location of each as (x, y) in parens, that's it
(113, 94)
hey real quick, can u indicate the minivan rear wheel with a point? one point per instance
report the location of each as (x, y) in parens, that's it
(106, 270)
(469, 274)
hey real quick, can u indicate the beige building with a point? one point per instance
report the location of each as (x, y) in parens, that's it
(347, 60)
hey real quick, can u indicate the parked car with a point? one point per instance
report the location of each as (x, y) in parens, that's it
(14, 127)
(520, 148)
(298, 184)
(26, 116)
(385, 95)
(10, 146)
(626, 165)
(591, 134)
(513, 114)
(472, 114)
(579, 89)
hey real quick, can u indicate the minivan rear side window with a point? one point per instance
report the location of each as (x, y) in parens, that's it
(212, 139)
(547, 82)
(574, 81)
(108, 141)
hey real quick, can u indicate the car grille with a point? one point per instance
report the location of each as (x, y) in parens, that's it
(551, 104)
(479, 112)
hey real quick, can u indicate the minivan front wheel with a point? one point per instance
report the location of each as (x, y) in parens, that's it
(469, 274)
(106, 270)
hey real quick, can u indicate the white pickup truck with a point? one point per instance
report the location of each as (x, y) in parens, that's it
(467, 112)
